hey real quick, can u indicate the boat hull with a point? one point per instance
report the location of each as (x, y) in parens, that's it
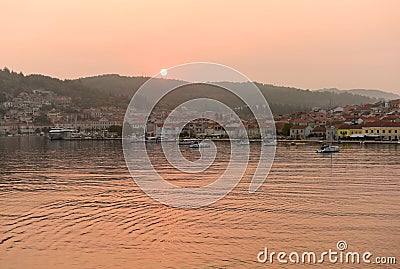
(60, 134)
(270, 144)
(56, 136)
(329, 150)
(198, 146)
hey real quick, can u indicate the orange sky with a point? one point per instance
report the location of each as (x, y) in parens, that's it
(307, 44)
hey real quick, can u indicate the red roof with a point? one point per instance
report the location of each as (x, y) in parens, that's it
(371, 119)
(279, 125)
(319, 129)
(350, 127)
(366, 106)
(382, 124)
(390, 117)
(299, 127)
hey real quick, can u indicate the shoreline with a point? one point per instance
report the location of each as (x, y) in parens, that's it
(280, 141)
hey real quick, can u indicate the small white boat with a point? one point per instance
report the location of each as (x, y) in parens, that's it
(186, 142)
(244, 142)
(328, 149)
(270, 143)
(198, 145)
(151, 139)
(135, 139)
(156, 139)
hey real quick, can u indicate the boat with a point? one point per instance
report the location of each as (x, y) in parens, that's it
(328, 149)
(202, 144)
(270, 143)
(186, 142)
(244, 142)
(60, 134)
(76, 135)
(135, 139)
(151, 139)
(156, 139)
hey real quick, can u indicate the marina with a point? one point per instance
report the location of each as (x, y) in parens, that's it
(69, 134)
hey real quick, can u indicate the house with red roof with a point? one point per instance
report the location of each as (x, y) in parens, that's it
(394, 103)
(382, 129)
(318, 131)
(300, 131)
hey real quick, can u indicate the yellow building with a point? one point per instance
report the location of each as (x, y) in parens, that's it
(346, 130)
(385, 130)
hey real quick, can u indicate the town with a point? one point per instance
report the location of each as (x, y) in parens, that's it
(35, 112)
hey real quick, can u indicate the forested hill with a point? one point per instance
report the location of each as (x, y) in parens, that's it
(13, 83)
(117, 90)
(366, 92)
(281, 99)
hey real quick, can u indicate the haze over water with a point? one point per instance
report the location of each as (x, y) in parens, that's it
(73, 204)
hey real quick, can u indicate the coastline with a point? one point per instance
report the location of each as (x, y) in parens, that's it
(280, 141)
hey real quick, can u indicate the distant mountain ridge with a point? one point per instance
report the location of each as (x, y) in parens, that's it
(372, 93)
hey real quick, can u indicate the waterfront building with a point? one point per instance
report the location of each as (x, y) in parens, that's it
(300, 131)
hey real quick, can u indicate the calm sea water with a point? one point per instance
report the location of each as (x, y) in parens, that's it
(73, 204)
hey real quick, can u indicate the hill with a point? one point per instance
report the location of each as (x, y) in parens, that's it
(377, 94)
(12, 83)
(281, 99)
(118, 90)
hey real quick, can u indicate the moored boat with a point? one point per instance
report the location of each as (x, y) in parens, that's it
(135, 139)
(202, 144)
(244, 142)
(60, 134)
(270, 143)
(156, 139)
(186, 142)
(328, 149)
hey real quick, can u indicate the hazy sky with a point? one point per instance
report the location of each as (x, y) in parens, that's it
(307, 44)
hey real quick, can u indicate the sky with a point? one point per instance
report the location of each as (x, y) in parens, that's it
(300, 43)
